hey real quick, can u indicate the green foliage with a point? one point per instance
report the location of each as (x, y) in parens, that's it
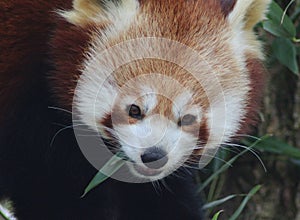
(217, 168)
(223, 168)
(286, 52)
(218, 202)
(283, 27)
(278, 23)
(112, 166)
(216, 216)
(238, 212)
(277, 146)
(2, 215)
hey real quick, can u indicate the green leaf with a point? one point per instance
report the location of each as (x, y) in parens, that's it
(285, 51)
(274, 145)
(237, 213)
(2, 215)
(112, 166)
(275, 29)
(216, 216)
(218, 202)
(278, 23)
(227, 165)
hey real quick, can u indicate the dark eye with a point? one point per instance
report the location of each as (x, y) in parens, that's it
(135, 112)
(187, 120)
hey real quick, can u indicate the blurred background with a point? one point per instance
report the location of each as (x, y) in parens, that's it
(261, 176)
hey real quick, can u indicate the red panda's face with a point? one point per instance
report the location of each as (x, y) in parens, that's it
(157, 121)
(159, 114)
(167, 80)
(158, 130)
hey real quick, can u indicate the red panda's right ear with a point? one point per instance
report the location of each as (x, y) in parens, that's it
(101, 12)
(244, 13)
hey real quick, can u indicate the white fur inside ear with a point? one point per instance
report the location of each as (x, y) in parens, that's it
(83, 12)
(91, 11)
(248, 12)
(242, 19)
(119, 17)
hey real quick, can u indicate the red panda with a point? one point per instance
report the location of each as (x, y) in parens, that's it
(164, 82)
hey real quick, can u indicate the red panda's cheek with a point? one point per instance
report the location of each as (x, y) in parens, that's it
(192, 129)
(203, 135)
(132, 121)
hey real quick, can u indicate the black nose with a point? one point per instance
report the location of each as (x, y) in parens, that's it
(154, 158)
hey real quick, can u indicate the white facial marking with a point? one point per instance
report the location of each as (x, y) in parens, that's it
(156, 131)
(94, 97)
(149, 98)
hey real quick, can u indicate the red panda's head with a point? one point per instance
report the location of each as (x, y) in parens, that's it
(166, 81)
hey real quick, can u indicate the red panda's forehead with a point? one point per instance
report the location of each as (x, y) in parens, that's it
(161, 79)
(180, 20)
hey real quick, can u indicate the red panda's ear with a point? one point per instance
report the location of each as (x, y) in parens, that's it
(83, 12)
(244, 13)
(86, 12)
(227, 6)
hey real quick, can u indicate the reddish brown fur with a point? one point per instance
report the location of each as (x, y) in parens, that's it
(68, 51)
(22, 46)
(183, 27)
(182, 20)
(203, 134)
(28, 45)
(107, 121)
(257, 74)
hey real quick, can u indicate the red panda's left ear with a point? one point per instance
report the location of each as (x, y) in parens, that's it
(244, 13)
(83, 12)
(99, 12)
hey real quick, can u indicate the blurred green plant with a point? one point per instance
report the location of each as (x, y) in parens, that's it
(218, 168)
(221, 164)
(283, 27)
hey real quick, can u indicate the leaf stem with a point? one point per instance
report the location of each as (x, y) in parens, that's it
(296, 40)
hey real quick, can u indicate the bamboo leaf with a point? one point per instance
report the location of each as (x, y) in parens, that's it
(218, 202)
(285, 51)
(244, 202)
(274, 145)
(278, 23)
(112, 166)
(227, 165)
(216, 216)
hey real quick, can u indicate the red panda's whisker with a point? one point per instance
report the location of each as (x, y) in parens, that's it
(58, 132)
(251, 151)
(164, 183)
(192, 167)
(60, 109)
(249, 136)
(228, 149)
(214, 157)
(156, 186)
(63, 129)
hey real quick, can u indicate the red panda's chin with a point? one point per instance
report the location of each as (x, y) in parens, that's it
(146, 171)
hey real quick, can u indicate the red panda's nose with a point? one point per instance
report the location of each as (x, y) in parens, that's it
(154, 158)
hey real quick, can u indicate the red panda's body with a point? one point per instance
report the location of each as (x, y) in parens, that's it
(61, 56)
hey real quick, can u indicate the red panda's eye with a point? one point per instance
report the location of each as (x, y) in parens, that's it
(187, 120)
(135, 112)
